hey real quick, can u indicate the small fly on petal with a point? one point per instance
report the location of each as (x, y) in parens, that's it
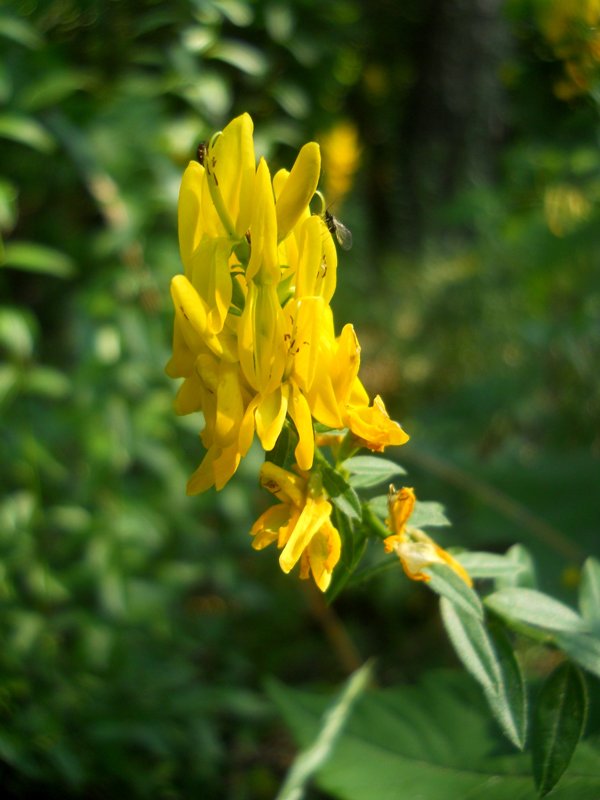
(339, 230)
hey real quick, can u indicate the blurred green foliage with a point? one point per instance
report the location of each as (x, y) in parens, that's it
(137, 624)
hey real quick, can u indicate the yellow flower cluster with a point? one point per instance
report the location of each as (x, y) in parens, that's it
(300, 524)
(254, 337)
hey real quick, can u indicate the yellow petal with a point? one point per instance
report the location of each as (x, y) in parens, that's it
(191, 311)
(300, 413)
(307, 340)
(372, 425)
(204, 477)
(310, 257)
(327, 277)
(267, 526)
(230, 403)
(299, 188)
(225, 465)
(260, 344)
(189, 212)
(313, 515)
(234, 167)
(324, 553)
(211, 277)
(287, 486)
(264, 262)
(181, 362)
(270, 416)
(401, 505)
(189, 396)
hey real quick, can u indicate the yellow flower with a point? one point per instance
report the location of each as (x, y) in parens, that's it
(300, 524)
(415, 549)
(253, 335)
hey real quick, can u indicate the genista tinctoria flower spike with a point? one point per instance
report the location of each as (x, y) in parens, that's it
(254, 338)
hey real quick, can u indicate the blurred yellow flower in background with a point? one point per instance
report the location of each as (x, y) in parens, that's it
(340, 148)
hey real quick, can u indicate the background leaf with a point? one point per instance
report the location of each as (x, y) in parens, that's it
(558, 722)
(332, 725)
(408, 738)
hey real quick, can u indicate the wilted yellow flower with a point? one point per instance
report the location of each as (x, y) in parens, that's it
(415, 549)
(300, 524)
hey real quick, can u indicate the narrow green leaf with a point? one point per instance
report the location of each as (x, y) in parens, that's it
(244, 57)
(488, 565)
(445, 582)
(340, 492)
(535, 608)
(512, 710)
(589, 592)
(354, 543)
(472, 645)
(26, 130)
(333, 722)
(558, 722)
(369, 471)
(19, 31)
(499, 676)
(36, 258)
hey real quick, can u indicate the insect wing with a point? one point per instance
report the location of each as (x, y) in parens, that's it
(343, 235)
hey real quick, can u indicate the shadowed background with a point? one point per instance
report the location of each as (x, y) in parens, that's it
(460, 145)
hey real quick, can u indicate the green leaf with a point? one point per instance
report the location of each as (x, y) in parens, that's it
(426, 514)
(353, 547)
(488, 565)
(283, 452)
(19, 31)
(17, 332)
(342, 495)
(497, 676)
(36, 258)
(370, 471)
(514, 714)
(535, 608)
(524, 573)
(54, 87)
(46, 382)
(445, 582)
(583, 649)
(26, 130)
(431, 741)
(243, 56)
(589, 592)
(558, 722)
(334, 720)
